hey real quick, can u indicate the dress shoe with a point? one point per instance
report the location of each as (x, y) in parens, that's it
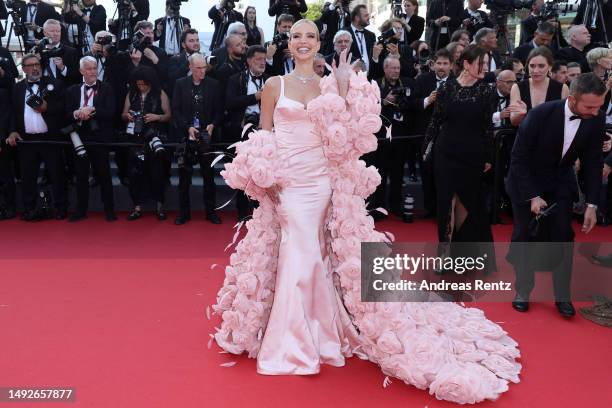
(566, 309)
(61, 215)
(77, 216)
(30, 216)
(110, 216)
(182, 219)
(7, 214)
(161, 213)
(213, 217)
(134, 215)
(520, 303)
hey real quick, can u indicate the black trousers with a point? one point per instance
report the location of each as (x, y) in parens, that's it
(7, 177)
(98, 158)
(30, 157)
(555, 228)
(209, 189)
(148, 174)
(389, 158)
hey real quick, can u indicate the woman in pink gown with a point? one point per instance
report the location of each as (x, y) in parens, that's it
(291, 295)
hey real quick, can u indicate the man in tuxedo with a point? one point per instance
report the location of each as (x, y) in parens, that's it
(84, 23)
(574, 69)
(428, 84)
(242, 102)
(443, 17)
(487, 39)
(222, 15)
(579, 38)
(278, 56)
(363, 40)
(542, 37)
(558, 72)
(473, 19)
(220, 53)
(34, 17)
(294, 8)
(334, 18)
(8, 69)
(38, 121)
(550, 139)
(7, 153)
(196, 112)
(501, 114)
(150, 55)
(91, 107)
(64, 68)
(168, 29)
(178, 66)
(236, 48)
(342, 40)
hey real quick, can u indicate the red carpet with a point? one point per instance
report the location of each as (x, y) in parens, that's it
(117, 311)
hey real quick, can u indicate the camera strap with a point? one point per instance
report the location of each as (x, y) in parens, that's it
(32, 10)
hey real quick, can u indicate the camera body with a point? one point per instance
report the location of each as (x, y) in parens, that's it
(281, 40)
(138, 121)
(187, 153)
(35, 101)
(387, 37)
(396, 8)
(105, 40)
(140, 41)
(501, 7)
(229, 5)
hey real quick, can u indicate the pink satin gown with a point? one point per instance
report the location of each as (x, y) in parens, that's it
(308, 324)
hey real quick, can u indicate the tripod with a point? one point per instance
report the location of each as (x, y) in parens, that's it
(500, 18)
(16, 27)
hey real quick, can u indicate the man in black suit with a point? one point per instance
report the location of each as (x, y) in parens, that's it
(236, 48)
(588, 15)
(150, 55)
(336, 17)
(530, 24)
(130, 13)
(342, 40)
(242, 101)
(579, 38)
(363, 40)
(91, 105)
(550, 139)
(8, 69)
(178, 66)
(542, 37)
(196, 112)
(473, 19)
(428, 84)
(220, 53)
(487, 39)
(86, 22)
(443, 17)
(7, 154)
(34, 17)
(64, 68)
(36, 121)
(558, 72)
(294, 8)
(278, 56)
(168, 29)
(222, 15)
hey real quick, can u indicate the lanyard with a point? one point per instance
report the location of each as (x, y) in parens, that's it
(32, 13)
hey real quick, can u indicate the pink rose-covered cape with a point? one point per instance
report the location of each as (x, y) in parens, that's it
(453, 351)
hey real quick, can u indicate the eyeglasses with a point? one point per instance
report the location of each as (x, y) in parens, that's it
(31, 65)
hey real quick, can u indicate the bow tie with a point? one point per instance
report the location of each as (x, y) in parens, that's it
(359, 31)
(574, 117)
(94, 87)
(87, 10)
(34, 83)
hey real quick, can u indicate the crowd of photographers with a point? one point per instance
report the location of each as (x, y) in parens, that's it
(92, 81)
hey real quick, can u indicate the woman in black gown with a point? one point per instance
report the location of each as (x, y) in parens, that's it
(462, 136)
(538, 88)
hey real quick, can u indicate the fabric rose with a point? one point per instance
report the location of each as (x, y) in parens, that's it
(370, 123)
(457, 383)
(247, 283)
(502, 367)
(388, 343)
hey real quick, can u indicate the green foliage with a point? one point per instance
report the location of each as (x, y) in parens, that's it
(314, 10)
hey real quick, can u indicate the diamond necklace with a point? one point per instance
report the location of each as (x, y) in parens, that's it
(302, 78)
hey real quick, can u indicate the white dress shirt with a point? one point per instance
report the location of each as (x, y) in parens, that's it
(569, 130)
(171, 47)
(362, 46)
(253, 85)
(33, 121)
(497, 120)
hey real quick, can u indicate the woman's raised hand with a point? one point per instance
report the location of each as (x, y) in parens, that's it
(342, 72)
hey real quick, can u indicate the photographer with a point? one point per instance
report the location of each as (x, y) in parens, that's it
(90, 107)
(388, 44)
(8, 69)
(292, 7)
(7, 156)
(242, 102)
(542, 37)
(334, 18)
(398, 99)
(220, 54)
(147, 111)
(37, 110)
(473, 19)
(84, 23)
(222, 15)
(178, 66)
(168, 29)
(235, 62)
(196, 111)
(104, 51)
(60, 62)
(129, 13)
(143, 52)
(363, 40)
(415, 24)
(342, 41)
(487, 38)
(278, 56)
(34, 16)
(443, 17)
(589, 14)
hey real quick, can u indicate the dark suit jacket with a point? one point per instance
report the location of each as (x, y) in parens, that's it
(142, 7)
(44, 12)
(597, 34)
(278, 64)
(536, 166)
(177, 28)
(426, 83)
(54, 115)
(332, 19)
(71, 61)
(220, 54)
(406, 104)
(236, 102)
(178, 67)
(221, 23)
(161, 68)
(277, 6)
(473, 28)
(439, 8)
(370, 40)
(571, 54)
(97, 20)
(5, 116)
(522, 52)
(104, 102)
(182, 105)
(417, 26)
(9, 67)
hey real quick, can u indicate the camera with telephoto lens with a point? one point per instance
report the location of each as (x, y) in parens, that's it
(72, 131)
(74, 2)
(281, 40)
(105, 40)
(501, 7)
(387, 37)
(423, 60)
(396, 8)
(138, 117)
(140, 41)
(228, 5)
(552, 9)
(154, 142)
(15, 5)
(41, 48)
(4, 63)
(187, 153)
